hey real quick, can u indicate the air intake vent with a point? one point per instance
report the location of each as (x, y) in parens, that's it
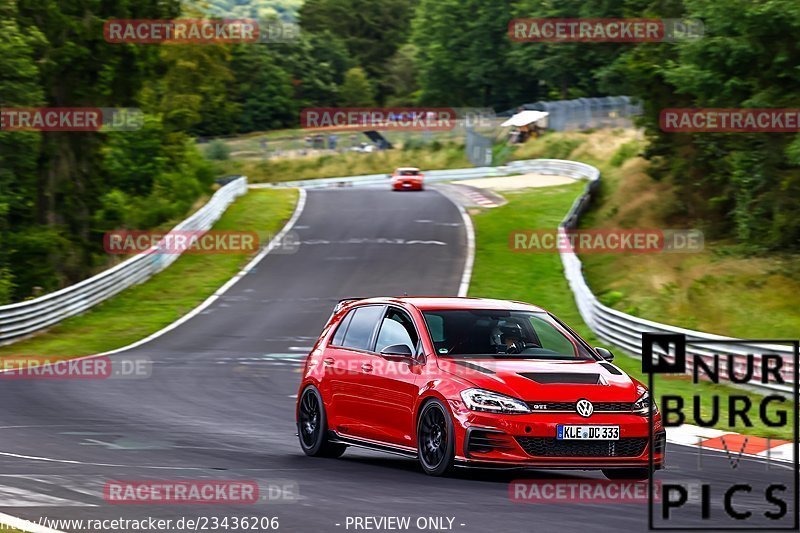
(548, 447)
(563, 378)
(611, 368)
(482, 441)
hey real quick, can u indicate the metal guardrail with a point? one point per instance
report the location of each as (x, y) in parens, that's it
(541, 166)
(625, 331)
(24, 318)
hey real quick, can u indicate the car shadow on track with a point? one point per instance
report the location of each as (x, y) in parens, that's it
(485, 475)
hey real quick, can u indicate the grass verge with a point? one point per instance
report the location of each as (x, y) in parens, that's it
(144, 309)
(538, 278)
(702, 290)
(428, 157)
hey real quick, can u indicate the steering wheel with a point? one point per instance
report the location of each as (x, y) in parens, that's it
(516, 347)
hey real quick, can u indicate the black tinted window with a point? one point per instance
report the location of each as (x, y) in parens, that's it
(498, 333)
(338, 338)
(359, 333)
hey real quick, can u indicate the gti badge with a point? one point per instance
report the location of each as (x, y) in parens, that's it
(584, 408)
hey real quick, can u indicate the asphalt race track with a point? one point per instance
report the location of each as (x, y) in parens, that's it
(220, 401)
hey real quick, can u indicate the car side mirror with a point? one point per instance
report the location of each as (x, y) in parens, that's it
(388, 176)
(398, 352)
(605, 354)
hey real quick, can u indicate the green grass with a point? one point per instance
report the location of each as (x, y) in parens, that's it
(144, 309)
(442, 153)
(702, 290)
(429, 157)
(538, 278)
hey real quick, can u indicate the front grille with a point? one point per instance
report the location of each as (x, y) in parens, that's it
(552, 406)
(550, 447)
(616, 407)
(613, 406)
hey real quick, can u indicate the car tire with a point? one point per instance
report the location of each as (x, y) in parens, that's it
(629, 474)
(435, 439)
(312, 426)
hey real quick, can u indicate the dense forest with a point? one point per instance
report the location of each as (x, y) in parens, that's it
(60, 191)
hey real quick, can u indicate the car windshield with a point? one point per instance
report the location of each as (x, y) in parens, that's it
(409, 172)
(501, 334)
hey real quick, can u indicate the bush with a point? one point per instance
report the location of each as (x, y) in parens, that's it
(218, 151)
(627, 151)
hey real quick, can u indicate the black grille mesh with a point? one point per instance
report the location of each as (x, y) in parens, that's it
(621, 407)
(550, 447)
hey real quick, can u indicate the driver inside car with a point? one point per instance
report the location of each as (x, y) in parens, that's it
(509, 337)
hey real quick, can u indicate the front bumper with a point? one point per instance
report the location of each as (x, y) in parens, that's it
(530, 441)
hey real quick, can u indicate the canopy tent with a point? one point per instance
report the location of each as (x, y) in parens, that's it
(525, 118)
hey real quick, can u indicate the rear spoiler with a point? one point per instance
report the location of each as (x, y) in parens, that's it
(342, 303)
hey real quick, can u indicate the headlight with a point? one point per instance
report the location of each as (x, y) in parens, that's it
(492, 402)
(642, 405)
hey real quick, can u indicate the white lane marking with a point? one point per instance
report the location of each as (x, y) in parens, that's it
(466, 276)
(15, 497)
(24, 525)
(300, 348)
(377, 240)
(109, 465)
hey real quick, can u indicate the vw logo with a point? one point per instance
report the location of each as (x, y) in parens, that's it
(584, 408)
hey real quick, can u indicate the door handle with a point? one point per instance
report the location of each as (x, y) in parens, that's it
(328, 361)
(366, 367)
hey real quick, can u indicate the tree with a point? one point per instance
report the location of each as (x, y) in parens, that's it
(745, 186)
(371, 30)
(357, 90)
(401, 77)
(19, 150)
(462, 53)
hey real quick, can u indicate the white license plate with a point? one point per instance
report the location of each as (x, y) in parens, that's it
(565, 432)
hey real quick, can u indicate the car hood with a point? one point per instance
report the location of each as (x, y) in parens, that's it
(552, 380)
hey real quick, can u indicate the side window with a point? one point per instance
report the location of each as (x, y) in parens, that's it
(338, 337)
(359, 332)
(397, 328)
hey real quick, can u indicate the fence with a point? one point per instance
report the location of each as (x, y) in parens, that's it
(583, 113)
(24, 318)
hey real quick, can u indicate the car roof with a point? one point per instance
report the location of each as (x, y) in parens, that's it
(430, 303)
(400, 169)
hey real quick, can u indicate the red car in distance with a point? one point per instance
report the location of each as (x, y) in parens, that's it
(407, 179)
(470, 381)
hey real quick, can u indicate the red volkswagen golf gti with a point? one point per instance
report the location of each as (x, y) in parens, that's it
(470, 381)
